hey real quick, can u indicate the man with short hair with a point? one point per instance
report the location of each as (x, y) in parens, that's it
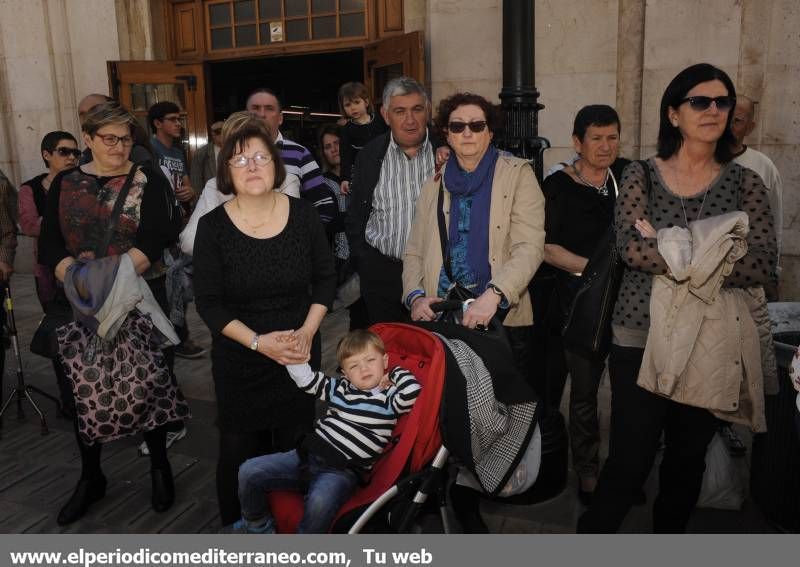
(165, 123)
(742, 124)
(297, 160)
(204, 162)
(388, 178)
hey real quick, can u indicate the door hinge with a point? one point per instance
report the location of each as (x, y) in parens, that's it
(191, 81)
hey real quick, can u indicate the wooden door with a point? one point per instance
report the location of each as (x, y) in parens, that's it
(140, 84)
(393, 57)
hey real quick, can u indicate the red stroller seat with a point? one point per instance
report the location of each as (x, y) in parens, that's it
(417, 432)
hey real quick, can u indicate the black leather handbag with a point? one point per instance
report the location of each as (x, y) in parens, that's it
(587, 327)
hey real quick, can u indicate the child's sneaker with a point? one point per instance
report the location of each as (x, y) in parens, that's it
(240, 527)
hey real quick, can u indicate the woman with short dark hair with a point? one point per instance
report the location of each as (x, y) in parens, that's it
(264, 279)
(691, 177)
(578, 213)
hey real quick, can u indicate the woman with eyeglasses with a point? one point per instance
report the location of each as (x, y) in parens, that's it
(691, 177)
(264, 278)
(578, 213)
(75, 225)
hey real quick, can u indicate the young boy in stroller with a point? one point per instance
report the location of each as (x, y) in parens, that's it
(363, 407)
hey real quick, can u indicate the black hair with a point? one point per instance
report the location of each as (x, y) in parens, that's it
(159, 110)
(670, 138)
(594, 115)
(265, 90)
(51, 140)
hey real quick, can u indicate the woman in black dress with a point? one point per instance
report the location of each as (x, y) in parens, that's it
(578, 213)
(264, 278)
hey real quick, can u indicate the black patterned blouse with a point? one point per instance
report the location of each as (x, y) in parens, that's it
(268, 284)
(735, 189)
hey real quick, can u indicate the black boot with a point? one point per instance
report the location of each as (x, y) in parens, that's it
(86, 493)
(163, 494)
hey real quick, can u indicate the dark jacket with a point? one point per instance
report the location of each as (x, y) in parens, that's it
(366, 173)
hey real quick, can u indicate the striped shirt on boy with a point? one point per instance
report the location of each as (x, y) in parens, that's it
(358, 423)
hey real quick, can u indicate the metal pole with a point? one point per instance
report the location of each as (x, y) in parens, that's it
(519, 96)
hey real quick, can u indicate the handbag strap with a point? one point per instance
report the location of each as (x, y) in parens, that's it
(101, 250)
(443, 233)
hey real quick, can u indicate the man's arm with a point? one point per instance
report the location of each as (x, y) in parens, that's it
(8, 227)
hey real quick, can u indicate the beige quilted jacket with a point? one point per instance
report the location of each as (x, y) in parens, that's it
(705, 343)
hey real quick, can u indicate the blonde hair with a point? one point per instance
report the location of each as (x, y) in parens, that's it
(235, 121)
(110, 112)
(358, 341)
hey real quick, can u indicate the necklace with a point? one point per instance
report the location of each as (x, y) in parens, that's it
(702, 203)
(601, 189)
(254, 228)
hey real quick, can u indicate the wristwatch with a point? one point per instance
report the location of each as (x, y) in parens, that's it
(496, 291)
(254, 342)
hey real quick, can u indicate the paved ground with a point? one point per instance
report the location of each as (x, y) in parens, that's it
(38, 473)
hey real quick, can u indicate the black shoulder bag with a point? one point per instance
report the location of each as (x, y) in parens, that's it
(59, 312)
(587, 328)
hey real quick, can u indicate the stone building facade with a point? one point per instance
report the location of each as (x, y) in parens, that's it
(618, 52)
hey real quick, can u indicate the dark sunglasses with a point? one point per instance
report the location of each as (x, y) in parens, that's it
(700, 103)
(66, 152)
(458, 127)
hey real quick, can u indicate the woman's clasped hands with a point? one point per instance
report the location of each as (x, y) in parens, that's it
(286, 347)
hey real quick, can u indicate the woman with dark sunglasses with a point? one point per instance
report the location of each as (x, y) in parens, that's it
(494, 215)
(691, 177)
(486, 211)
(59, 153)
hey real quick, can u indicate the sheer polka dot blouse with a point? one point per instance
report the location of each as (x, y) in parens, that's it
(736, 188)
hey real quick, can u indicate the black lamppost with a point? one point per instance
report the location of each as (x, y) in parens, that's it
(519, 97)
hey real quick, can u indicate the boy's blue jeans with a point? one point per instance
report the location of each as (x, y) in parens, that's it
(326, 488)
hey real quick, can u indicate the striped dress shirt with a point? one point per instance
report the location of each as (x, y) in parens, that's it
(395, 196)
(358, 423)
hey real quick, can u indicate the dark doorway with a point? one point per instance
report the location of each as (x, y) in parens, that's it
(307, 86)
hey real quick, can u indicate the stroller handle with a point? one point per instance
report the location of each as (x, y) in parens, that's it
(447, 305)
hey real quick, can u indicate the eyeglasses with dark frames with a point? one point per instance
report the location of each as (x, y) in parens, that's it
(260, 160)
(111, 140)
(171, 119)
(67, 152)
(701, 103)
(458, 127)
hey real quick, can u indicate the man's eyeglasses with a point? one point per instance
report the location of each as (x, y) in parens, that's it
(260, 160)
(701, 103)
(171, 119)
(111, 140)
(458, 127)
(66, 152)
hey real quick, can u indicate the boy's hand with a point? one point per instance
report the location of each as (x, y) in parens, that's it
(345, 188)
(385, 382)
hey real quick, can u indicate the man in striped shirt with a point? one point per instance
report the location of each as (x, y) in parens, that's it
(363, 407)
(297, 160)
(387, 180)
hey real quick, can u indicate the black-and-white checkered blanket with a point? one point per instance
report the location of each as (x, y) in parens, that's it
(499, 432)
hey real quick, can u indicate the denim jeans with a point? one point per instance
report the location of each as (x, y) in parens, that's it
(326, 488)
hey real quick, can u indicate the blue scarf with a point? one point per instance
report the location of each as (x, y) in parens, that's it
(478, 185)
